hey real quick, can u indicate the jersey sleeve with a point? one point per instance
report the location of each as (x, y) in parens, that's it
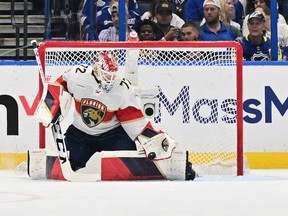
(63, 79)
(69, 78)
(130, 114)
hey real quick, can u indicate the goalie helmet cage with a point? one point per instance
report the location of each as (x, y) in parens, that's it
(212, 66)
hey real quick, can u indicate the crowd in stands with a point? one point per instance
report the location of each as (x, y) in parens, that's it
(245, 21)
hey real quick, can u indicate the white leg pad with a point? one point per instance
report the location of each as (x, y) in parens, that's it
(37, 163)
(174, 168)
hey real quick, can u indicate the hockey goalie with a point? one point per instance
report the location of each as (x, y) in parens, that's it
(108, 118)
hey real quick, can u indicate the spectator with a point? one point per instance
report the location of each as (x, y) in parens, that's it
(73, 27)
(239, 6)
(180, 7)
(176, 21)
(226, 15)
(282, 29)
(256, 46)
(148, 30)
(87, 18)
(194, 11)
(250, 8)
(112, 33)
(104, 19)
(164, 16)
(214, 29)
(228, 12)
(101, 3)
(283, 8)
(245, 30)
(92, 23)
(190, 31)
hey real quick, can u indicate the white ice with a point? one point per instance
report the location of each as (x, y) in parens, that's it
(261, 193)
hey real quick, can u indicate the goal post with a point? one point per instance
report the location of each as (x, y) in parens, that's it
(200, 91)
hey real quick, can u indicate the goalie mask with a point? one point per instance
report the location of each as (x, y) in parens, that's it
(105, 69)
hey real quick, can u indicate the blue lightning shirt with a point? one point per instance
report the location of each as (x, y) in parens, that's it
(260, 52)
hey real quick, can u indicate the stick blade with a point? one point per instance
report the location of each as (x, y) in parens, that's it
(72, 176)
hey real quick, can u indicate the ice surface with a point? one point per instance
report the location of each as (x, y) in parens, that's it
(263, 192)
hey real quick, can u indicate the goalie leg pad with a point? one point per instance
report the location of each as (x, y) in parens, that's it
(177, 167)
(36, 166)
(43, 166)
(130, 165)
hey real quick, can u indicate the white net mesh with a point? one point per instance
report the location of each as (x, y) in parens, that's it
(198, 97)
(148, 56)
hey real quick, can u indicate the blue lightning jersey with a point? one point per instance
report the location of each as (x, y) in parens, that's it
(260, 52)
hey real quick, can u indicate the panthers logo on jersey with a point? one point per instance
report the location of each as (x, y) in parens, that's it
(92, 112)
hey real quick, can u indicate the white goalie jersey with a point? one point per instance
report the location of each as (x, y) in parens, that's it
(98, 111)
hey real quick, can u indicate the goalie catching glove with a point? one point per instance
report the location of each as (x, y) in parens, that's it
(156, 144)
(165, 152)
(54, 104)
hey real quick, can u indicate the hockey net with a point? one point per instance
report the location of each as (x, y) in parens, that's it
(200, 97)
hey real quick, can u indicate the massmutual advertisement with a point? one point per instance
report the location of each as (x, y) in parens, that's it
(197, 109)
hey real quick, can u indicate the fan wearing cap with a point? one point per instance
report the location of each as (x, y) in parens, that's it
(256, 46)
(164, 18)
(176, 21)
(251, 6)
(112, 33)
(282, 30)
(103, 18)
(214, 29)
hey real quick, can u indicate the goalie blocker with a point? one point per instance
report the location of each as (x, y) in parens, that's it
(54, 104)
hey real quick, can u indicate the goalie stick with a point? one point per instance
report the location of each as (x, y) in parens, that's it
(35, 50)
(67, 171)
